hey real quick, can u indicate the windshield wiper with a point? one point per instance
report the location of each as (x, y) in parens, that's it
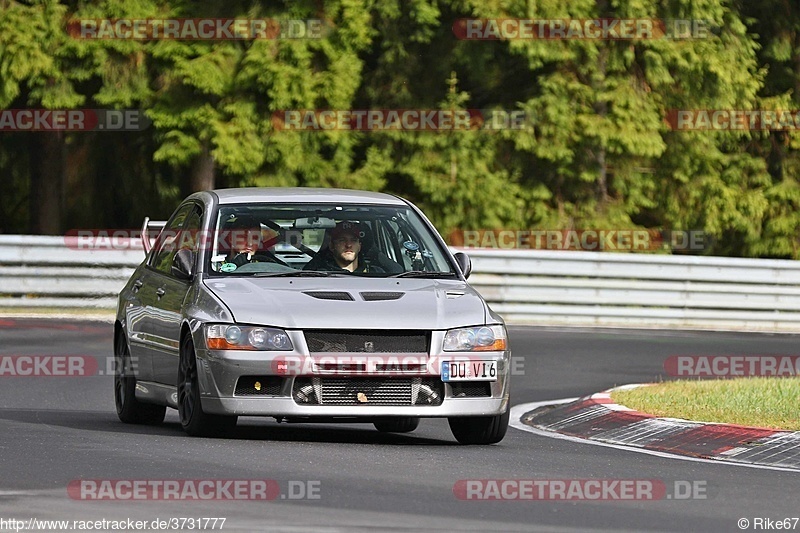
(294, 273)
(424, 274)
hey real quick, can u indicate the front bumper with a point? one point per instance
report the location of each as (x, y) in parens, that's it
(219, 372)
(286, 407)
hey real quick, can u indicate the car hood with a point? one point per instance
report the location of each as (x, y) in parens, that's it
(353, 303)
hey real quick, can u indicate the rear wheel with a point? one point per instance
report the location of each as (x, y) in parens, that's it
(194, 420)
(479, 429)
(404, 424)
(129, 409)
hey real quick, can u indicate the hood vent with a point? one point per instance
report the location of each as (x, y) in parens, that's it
(331, 295)
(376, 296)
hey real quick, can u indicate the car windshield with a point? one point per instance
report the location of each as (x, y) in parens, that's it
(325, 240)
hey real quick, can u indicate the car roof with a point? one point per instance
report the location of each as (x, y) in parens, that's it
(303, 194)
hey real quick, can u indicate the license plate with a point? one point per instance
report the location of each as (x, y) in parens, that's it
(469, 370)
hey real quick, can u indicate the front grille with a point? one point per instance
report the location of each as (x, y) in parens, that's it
(368, 391)
(367, 341)
(342, 367)
(401, 367)
(471, 390)
(258, 386)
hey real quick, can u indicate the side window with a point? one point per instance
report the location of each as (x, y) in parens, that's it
(169, 240)
(191, 230)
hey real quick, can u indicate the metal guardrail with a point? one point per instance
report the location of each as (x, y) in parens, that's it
(43, 271)
(524, 286)
(590, 288)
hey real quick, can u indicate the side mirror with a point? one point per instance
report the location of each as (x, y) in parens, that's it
(464, 263)
(183, 264)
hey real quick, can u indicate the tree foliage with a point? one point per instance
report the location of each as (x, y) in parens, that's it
(596, 151)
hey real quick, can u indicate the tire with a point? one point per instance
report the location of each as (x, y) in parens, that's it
(480, 429)
(129, 409)
(405, 424)
(194, 420)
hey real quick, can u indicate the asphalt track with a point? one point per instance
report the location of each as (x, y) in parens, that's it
(54, 430)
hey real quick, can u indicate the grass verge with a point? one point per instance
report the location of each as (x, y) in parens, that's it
(763, 402)
(103, 315)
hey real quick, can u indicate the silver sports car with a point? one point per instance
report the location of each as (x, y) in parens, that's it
(307, 305)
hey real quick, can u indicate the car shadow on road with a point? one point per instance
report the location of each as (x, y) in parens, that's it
(329, 433)
(249, 429)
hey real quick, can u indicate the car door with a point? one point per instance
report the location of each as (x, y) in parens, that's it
(167, 308)
(135, 311)
(152, 334)
(144, 343)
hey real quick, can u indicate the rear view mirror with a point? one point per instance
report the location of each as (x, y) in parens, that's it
(464, 263)
(314, 223)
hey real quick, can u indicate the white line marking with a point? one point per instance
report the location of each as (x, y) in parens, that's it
(518, 411)
(643, 329)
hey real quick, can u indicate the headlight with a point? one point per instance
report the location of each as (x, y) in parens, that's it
(476, 339)
(233, 337)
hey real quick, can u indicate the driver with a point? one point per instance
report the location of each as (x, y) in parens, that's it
(344, 251)
(247, 243)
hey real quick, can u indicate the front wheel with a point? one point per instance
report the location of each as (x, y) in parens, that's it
(479, 429)
(194, 420)
(129, 409)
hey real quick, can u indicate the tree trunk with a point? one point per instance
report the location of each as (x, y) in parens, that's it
(202, 173)
(602, 176)
(601, 108)
(47, 183)
(796, 72)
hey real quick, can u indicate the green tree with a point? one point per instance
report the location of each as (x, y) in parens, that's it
(776, 27)
(599, 143)
(35, 71)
